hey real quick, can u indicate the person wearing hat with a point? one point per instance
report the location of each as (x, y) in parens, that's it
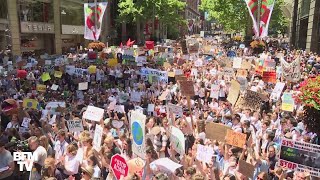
(87, 173)
(6, 161)
(160, 141)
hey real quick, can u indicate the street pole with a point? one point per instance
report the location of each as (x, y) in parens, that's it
(95, 16)
(258, 17)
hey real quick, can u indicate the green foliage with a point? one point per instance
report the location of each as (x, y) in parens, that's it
(167, 11)
(234, 15)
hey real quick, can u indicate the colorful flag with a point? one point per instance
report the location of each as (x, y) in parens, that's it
(252, 6)
(30, 103)
(265, 16)
(91, 30)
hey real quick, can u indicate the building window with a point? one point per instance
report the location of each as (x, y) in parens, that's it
(72, 12)
(3, 9)
(36, 10)
(305, 8)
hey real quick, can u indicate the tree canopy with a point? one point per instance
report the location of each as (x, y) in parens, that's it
(234, 15)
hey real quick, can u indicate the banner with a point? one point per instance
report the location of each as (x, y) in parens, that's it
(300, 156)
(265, 16)
(252, 6)
(287, 102)
(291, 71)
(138, 125)
(93, 13)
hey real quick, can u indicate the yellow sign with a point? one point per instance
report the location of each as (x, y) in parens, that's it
(41, 88)
(57, 74)
(92, 69)
(171, 74)
(112, 62)
(45, 77)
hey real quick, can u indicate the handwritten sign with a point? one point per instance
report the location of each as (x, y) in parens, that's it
(269, 76)
(235, 139)
(177, 140)
(177, 110)
(246, 169)
(57, 74)
(119, 166)
(93, 113)
(41, 88)
(252, 100)
(227, 71)
(75, 125)
(187, 88)
(214, 93)
(97, 138)
(287, 102)
(204, 153)
(83, 86)
(291, 71)
(216, 131)
(233, 92)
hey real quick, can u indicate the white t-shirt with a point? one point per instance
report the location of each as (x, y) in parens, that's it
(71, 164)
(97, 172)
(40, 154)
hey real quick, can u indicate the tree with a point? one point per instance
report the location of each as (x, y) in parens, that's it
(234, 15)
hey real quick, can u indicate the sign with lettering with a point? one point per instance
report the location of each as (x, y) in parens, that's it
(177, 110)
(36, 27)
(75, 125)
(300, 156)
(235, 139)
(93, 113)
(187, 88)
(216, 131)
(269, 76)
(252, 100)
(291, 71)
(204, 153)
(119, 166)
(162, 76)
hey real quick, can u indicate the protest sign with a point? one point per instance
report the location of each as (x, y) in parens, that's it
(235, 139)
(112, 62)
(119, 108)
(52, 106)
(171, 74)
(97, 138)
(162, 76)
(138, 124)
(233, 92)
(269, 76)
(165, 165)
(252, 100)
(177, 140)
(163, 96)
(178, 72)
(117, 124)
(54, 87)
(45, 77)
(204, 153)
(246, 169)
(214, 93)
(275, 95)
(83, 86)
(242, 73)
(237, 63)
(41, 88)
(216, 131)
(93, 113)
(246, 64)
(227, 71)
(135, 97)
(30, 103)
(92, 69)
(75, 125)
(243, 83)
(287, 102)
(300, 156)
(57, 74)
(150, 107)
(291, 71)
(136, 165)
(119, 166)
(187, 88)
(175, 109)
(180, 78)
(123, 97)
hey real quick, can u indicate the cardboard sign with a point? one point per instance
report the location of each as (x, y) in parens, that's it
(75, 125)
(83, 86)
(180, 78)
(287, 102)
(252, 100)
(93, 113)
(234, 92)
(246, 169)
(97, 138)
(270, 76)
(300, 156)
(177, 140)
(177, 110)
(41, 88)
(163, 96)
(216, 131)
(204, 153)
(235, 139)
(187, 88)
(138, 125)
(246, 64)
(119, 166)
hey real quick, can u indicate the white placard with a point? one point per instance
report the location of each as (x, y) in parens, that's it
(75, 125)
(54, 87)
(150, 107)
(83, 86)
(214, 93)
(135, 97)
(93, 113)
(204, 153)
(177, 140)
(237, 62)
(165, 165)
(97, 138)
(275, 95)
(177, 110)
(119, 108)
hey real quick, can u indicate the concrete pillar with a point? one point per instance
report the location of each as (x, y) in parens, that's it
(315, 26)
(57, 27)
(14, 26)
(310, 24)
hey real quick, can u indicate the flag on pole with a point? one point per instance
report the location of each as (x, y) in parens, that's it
(252, 6)
(265, 16)
(91, 29)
